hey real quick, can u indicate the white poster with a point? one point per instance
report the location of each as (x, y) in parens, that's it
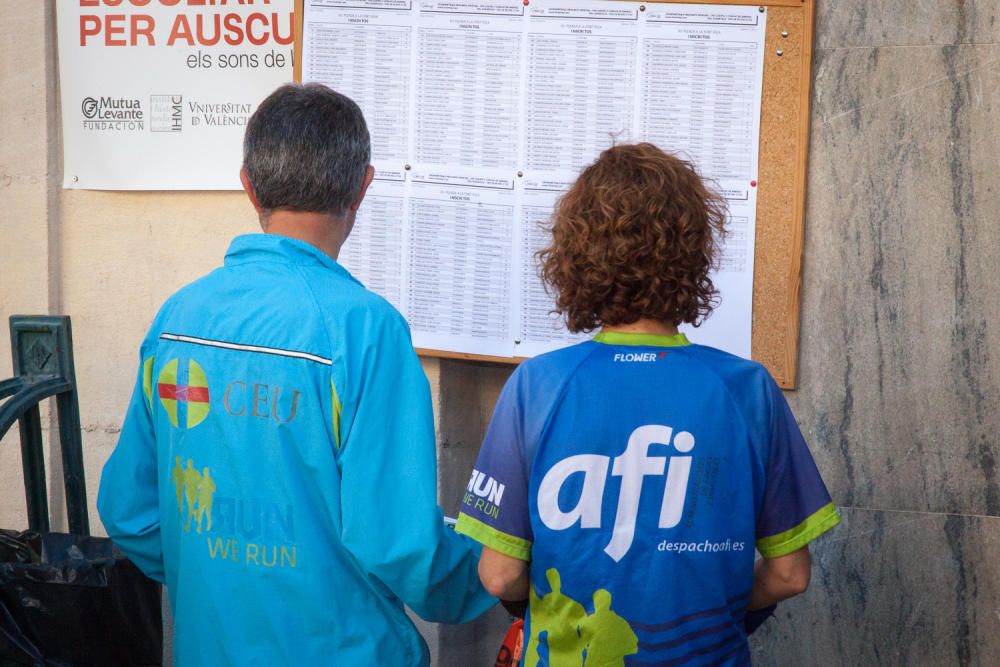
(482, 113)
(156, 93)
(700, 89)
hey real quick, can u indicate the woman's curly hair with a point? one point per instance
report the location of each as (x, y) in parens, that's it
(634, 238)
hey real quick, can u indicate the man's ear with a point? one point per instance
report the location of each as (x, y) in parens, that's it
(248, 188)
(369, 175)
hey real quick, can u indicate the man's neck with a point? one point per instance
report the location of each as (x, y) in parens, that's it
(644, 327)
(321, 230)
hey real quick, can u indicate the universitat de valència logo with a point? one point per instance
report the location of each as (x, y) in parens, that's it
(114, 114)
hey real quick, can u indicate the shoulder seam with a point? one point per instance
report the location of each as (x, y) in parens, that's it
(725, 386)
(559, 397)
(329, 344)
(316, 306)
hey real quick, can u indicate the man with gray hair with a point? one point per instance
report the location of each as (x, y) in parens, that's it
(298, 394)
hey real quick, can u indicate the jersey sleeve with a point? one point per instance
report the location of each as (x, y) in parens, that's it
(128, 497)
(494, 509)
(392, 523)
(796, 507)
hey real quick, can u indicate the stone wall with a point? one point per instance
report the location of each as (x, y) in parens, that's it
(898, 387)
(899, 384)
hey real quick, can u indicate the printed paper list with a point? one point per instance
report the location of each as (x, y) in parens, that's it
(484, 112)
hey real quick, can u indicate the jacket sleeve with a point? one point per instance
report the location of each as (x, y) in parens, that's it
(128, 499)
(392, 523)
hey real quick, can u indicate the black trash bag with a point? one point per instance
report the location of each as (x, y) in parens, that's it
(75, 600)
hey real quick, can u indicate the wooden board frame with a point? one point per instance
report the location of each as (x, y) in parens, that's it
(781, 193)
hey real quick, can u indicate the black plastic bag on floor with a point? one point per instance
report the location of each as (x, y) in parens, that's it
(75, 600)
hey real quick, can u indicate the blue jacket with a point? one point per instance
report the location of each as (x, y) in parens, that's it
(276, 469)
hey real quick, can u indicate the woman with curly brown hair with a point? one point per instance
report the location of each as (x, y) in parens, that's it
(625, 482)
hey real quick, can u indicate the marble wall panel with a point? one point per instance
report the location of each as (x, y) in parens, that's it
(468, 391)
(894, 588)
(900, 320)
(475, 388)
(851, 23)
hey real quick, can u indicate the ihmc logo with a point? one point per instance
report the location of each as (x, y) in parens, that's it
(166, 113)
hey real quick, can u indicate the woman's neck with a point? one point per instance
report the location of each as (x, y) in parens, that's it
(644, 327)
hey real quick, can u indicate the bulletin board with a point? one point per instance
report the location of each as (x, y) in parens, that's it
(780, 190)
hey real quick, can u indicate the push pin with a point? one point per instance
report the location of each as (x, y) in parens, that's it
(784, 34)
(780, 52)
(406, 167)
(762, 9)
(642, 8)
(753, 184)
(526, 3)
(520, 174)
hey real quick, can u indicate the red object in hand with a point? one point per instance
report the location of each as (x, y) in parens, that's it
(513, 645)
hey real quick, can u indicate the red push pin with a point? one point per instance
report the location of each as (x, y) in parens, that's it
(753, 184)
(526, 3)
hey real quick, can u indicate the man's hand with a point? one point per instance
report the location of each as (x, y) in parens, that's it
(503, 576)
(775, 579)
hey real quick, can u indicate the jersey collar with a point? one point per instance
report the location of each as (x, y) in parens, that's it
(641, 339)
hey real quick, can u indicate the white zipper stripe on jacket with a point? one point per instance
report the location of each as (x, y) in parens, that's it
(247, 348)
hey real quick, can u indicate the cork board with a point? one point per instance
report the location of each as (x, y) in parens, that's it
(784, 147)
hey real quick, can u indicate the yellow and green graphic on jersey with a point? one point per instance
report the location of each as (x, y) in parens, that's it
(193, 395)
(573, 637)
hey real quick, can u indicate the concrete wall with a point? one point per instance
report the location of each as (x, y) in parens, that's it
(28, 198)
(899, 383)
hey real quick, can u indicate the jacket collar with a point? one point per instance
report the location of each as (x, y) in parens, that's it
(248, 248)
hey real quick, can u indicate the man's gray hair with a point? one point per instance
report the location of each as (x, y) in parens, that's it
(306, 148)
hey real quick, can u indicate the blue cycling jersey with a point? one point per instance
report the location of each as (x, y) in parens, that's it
(638, 473)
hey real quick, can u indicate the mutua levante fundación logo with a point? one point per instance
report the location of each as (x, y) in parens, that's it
(113, 114)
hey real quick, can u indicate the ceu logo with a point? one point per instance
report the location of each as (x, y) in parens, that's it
(632, 465)
(183, 392)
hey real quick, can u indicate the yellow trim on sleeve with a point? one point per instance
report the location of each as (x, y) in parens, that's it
(488, 536)
(147, 380)
(793, 539)
(335, 414)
